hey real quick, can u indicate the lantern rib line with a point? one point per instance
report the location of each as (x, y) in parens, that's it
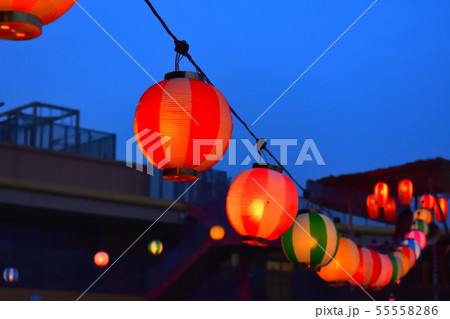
(136, 240)
(312, 64)
(134, 60)
(332, 258)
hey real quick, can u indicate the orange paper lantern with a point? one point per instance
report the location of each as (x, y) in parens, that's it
(373, 211)
(423, 214)
(406, 265)
(381, 193)
(183, 126)
(261, 204)
(385, 273)
(369, 268)
(217, 232)
(23, 19)
(427, 201)
(390, 210)
(101, 259)
(442, 202)
(405, 192)
(410, 254)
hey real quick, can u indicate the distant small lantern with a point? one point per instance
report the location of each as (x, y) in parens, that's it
(390, 210)
(155, 247)
(385, 273)
(381, 193)
(409, 253)
(312, 240)
(405, 192)
(261, 204)
(23, 19)
(444, 208)
(10, 275)
(423, 214)
(217, 232)
(101, 259)
(413, 244)
(373, 211)
(397, 268)
(427, 201)
(420, 225)
(418, 236)
(344, 264)
(369, 268)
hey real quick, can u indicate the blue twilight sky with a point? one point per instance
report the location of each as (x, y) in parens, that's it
(379, 97)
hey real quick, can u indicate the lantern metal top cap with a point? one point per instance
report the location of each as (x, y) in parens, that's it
(268, 166)
(184, 75)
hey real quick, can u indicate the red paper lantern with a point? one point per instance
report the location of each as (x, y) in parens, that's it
(427, 201)
(217, 232)
(23, 19)
(373, 211)
(442, 202)
(390, 210)
(369, 268)
(183, 126)
(418, 236)
(101, 259)
(385, 273)
(405, 192)
(261, 204)
(381, 193)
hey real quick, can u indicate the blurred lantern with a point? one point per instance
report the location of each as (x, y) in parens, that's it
(344, 264)
(217, 232)
(390, 210)
(409, 253)
(188, 124)
(444, 208)
(155, 247)
(420, 225)
(423, 214)
(373, 211)
(397, 268)
(312, 240)
(414, 245)
(381, 193)
(406, 266)
(10, 275)
(405, 192)
(385, 273)
(261, 204)
(23, 19)
(427, 201)
(369, 268)
(101, 259)
(418, 236)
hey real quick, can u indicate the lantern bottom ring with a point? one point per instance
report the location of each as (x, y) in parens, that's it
(179, 174)
(311, 267)
(255, 241)
(18, 25)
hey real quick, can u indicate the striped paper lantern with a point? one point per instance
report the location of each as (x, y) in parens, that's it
(390, 210)
(385, 273)
(155, 247)
(261, 204)
(423, 214)
(420, 225)
(183, 126)
(427, 201)
(409, 253)
(381, 193)
(405, 192)
(10, 275)
(369, 268)
(345, 262)
(373, 211)
(23, 19)
(418, 236)
(444, 208)
(397, 268)
(414, 245)
(406, 266)
(311, 241)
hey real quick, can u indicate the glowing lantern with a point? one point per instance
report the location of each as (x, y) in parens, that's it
(405, 192)
(397, 268)
(183, 126)
(261, 204)
(217, 232)
(420, 225)
(406, 266)
(390, 210)
(385, 273)
(423, 214)
(409, 253)
(381, 193)
(418, 236)
(373, 211)
(444, 207)
(101, 259)
(369, 268)
(413, 245)
(311, 241)
(344, 264)
(23, 19)
(427, 201)
(155, 247)
(10, 275)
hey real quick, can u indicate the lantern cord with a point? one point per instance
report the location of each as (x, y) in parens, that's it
(181, 47)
